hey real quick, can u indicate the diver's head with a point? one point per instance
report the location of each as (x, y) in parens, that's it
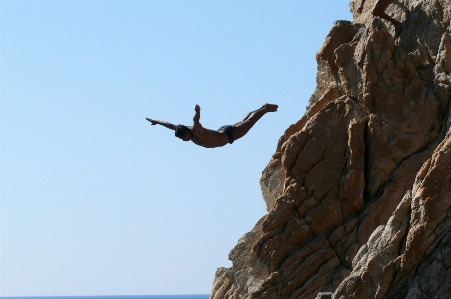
(183, 132)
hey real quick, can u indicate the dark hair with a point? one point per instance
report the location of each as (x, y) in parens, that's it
(180, 130)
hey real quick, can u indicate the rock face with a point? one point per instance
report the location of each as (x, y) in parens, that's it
(358, 192)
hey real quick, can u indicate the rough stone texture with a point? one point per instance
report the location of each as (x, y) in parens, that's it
(358, 190)
(408, 257)
(234, 282)
(326, 295)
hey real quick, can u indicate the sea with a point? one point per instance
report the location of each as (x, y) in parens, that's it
(204, 296)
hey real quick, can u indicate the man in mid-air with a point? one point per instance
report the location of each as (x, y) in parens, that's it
(379, 11)
(210, 138)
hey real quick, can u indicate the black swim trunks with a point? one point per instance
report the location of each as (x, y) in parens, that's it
(229, 132)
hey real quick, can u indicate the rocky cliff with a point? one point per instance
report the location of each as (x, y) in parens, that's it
(358, 191)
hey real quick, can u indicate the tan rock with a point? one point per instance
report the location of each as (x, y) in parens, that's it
(358, 191)
(235, 282)
(388, 260)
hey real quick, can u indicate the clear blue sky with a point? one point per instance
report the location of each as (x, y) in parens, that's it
(95, 200)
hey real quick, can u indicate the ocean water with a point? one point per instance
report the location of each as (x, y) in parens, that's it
(204, 296)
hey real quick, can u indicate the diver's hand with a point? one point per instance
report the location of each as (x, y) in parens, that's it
(153, 122)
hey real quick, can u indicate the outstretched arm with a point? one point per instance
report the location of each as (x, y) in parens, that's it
(197, 127)
(163, 123)
(360, 9)
(196, 117)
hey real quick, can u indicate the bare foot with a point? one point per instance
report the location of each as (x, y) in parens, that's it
(398, 30)
(271, 107)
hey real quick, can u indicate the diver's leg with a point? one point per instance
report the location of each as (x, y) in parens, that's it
(248, 115)
(241, 128)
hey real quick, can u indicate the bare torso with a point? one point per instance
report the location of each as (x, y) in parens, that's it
(208, 138)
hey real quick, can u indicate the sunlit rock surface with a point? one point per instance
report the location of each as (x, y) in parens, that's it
(358, 191)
